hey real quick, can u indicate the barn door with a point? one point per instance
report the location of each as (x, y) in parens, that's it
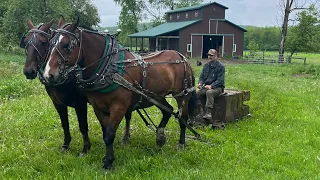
(196, 46)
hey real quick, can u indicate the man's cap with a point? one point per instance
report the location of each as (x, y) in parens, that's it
(212, 52)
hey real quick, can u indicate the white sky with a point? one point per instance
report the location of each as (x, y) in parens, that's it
(242, 12)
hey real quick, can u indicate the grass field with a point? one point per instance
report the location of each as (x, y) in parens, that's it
(280, 141)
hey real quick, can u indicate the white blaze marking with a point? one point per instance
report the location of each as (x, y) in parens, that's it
(47, 68)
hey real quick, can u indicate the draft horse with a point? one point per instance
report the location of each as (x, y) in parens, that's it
(116, 82)
(36, 44)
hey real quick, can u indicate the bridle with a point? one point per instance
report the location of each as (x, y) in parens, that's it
(32, 41)
(74, 41)
(41, 59)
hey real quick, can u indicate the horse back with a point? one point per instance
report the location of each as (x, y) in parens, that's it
(165, 73)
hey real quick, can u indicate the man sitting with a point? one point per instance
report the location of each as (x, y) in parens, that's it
(211, 84)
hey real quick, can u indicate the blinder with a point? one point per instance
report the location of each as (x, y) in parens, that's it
(22, 43)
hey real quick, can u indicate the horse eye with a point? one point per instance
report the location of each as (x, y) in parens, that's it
(65, 46)
(43, 43)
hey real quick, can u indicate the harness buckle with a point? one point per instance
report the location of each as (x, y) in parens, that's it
(102, 80)
(115, 50)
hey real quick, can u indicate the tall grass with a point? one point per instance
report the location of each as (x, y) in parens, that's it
(281, 140)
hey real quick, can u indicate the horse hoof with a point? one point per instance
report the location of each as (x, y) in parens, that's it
(65, 148)
(161, 138)
(82, 154)
(107, 166)
(85, 150)
(181, 147)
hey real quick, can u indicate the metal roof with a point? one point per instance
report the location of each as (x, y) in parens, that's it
(199, 6)
(163, 28)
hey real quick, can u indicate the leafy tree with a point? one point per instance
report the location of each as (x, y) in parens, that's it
(130, 15)
(253, 46)
(13, 19)
(305, 36)
(287, 7)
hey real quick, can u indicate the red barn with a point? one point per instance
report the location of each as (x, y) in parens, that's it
(196, 29)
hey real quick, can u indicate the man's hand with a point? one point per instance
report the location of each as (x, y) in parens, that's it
(208, 87)
(199, 86)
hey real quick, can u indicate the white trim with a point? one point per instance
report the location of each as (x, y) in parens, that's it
(201, 47)
(222, 46)
(189, 47)
(234, 48)
(217, 24)
(209, 26)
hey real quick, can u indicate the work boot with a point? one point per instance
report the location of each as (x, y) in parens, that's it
(208, 115)
(217, 124)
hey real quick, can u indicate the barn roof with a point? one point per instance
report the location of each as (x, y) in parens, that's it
(163, 28)
(199, 6)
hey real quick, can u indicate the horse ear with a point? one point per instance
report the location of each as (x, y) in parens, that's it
(30, 25)
(76, 24)
(47, 26)
(61, 21)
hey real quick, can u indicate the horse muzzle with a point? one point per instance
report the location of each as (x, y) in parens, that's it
(30, 73)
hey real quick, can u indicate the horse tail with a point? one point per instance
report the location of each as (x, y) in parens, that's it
(192, 103)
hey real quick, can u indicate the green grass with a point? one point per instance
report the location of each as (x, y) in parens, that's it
(280, 141)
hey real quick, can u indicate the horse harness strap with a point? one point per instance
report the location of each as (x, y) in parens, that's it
(123, 82)
(101, 79)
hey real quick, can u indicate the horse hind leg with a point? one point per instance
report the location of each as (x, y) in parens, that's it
(183, 110)
(82, 110)
(63, 113)
(126, 136)
(160, 136)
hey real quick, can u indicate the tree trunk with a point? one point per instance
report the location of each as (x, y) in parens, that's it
(284, 29)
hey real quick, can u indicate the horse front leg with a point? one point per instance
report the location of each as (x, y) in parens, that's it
(82, 111)
(63, 113)
(109, 135)
(126, 136)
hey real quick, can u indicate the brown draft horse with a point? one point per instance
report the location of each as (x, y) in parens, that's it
(36, 45)
(76, 49)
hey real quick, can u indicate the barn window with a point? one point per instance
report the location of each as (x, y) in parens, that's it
(178, 16)
(170, 17)
(189, 47)
(196, 14)
(187, 15)
(234, 48)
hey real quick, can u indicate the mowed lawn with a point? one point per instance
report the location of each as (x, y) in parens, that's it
(281, 139)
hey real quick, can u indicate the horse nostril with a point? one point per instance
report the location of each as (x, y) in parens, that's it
(50, 78)
(30, 74)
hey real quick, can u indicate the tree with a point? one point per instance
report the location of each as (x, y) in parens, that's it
(13, 20)
(305, 37)
(130, 15)
(287, 7)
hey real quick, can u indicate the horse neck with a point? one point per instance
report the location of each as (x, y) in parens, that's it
(92, 48)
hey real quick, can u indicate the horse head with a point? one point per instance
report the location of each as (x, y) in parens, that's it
(36, 44)
(72, 48)
(64, 52)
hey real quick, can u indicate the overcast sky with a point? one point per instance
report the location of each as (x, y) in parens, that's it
(242, 12)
